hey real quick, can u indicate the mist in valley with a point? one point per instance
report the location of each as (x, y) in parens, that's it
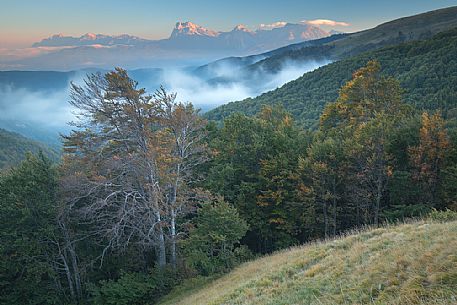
(231, 83)
(43, 113)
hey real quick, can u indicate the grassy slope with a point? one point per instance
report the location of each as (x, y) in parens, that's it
(414, 27)
(412, 263)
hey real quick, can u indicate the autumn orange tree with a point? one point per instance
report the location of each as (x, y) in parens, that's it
(428, 158)
(368, 108)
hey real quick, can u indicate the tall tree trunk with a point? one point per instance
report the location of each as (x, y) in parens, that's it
(324, 207)
(69, 277)
(69, 248)
(161, 251)
(56, 279)
(159, 238)
(378, 199)
(76, 273)
(334, 206)
(173, 212)
(173, 239)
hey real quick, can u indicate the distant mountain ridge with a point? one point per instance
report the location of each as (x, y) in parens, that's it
(188, 44)
(59, 40)
(190, 35)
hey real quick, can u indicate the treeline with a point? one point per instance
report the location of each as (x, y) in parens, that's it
(426, 70)
(148, 194)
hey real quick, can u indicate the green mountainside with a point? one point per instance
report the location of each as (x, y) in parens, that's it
(13, 148)
(426, 69)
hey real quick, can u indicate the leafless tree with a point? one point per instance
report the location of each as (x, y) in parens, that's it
(131, 158)
(188, 150)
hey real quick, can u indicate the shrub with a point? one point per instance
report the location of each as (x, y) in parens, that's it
(443, 216)
(134, 288)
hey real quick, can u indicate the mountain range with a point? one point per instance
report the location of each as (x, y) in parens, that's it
(59, 40)
(188, 43)
(192, 36)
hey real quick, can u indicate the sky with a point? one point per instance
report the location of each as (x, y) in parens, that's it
(23, 22)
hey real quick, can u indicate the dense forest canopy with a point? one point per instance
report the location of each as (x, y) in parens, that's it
(148, 193)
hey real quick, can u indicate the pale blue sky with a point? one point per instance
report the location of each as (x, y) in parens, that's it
(25, 21)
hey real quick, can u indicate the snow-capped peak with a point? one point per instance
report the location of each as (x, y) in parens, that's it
(89, 36)
(241, 28)
(189, 29)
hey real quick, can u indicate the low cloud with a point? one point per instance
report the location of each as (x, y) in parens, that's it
(190, 88)
(16, 54)
(291, 70)
(230, 83)
(318, 22)
(49, 109)
(43, 108)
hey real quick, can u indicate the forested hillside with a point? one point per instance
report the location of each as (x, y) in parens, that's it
(251, 63)
(427, 70)
(13, 148)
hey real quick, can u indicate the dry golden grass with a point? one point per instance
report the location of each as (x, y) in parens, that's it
(413, 263)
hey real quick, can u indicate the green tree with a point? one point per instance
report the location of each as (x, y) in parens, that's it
(139, 288)
(28, 230)
(324, 166)
(218, 228)
(255, 167)
(286, 208)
